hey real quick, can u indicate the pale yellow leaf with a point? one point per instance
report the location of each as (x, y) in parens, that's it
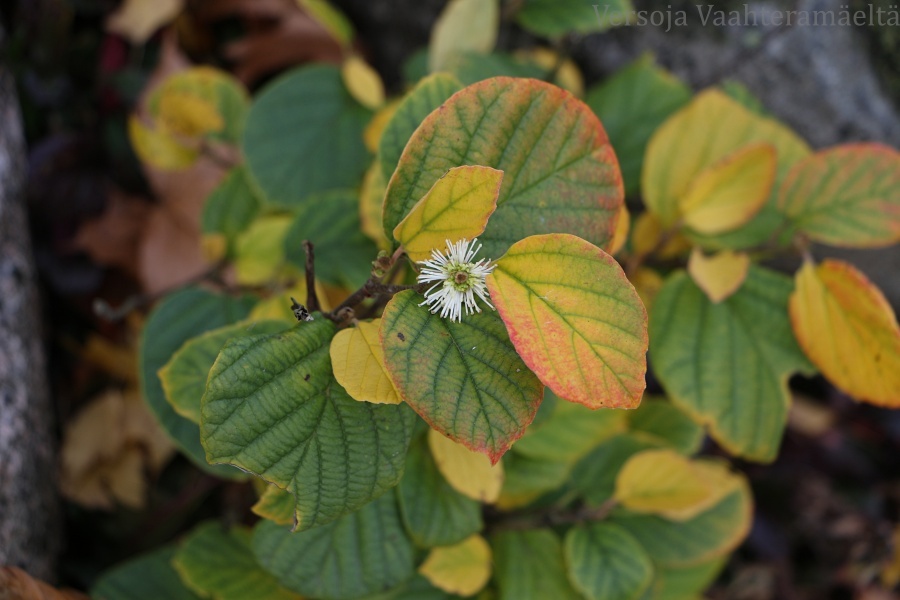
(461, 569)
(357, 359)
(372, 132)
(363, 82)
(457, 206)
(649, 236)
(464, 26)
(730, 192)
(656, 481)
(371, 199)
(468, 472)
(137, 20)
(623, 225)
(848, 330)
(698, 136)
(183, 113)
(719, 275)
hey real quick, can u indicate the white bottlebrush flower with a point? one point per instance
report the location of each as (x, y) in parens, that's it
(457, 280)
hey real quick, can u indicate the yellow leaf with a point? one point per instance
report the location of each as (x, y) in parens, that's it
(708, 129)
(729, 193)
(848, 330)
(623, 225)
(214, 246)
(371, 199)
(259, 251)
(463, 26)
(363, 82)
(278, 306)
(373, 131)
(457, 206)
(461, 569)
(720, 480)
(357, 359)
(647, 238)
(656, 481)
(159, 149)
(574, 318)
(469, 473)
(181, 113)
(137, 20)
(720, 275)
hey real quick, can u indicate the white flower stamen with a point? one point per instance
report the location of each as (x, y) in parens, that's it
(457, 279)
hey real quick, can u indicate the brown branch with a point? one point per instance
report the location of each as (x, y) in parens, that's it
(312, 299)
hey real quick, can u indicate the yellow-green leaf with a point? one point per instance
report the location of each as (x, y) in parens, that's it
(259, 251)
(157, 148)
(847, 328)
(276, 505)
(334, 21)
(371, 197)
(470, 473)
(730, 192)
(358, 362)
(462, 569)
(720, 275)
(574, 319)
(278, 306)
(707, 130)
(458, 206)
(656, 481)
(363, 82)
(463, 26)
(846, 196)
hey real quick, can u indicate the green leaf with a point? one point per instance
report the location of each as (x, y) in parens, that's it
(361, 553)
(711, 534)
(178, 318)
(663, 422)
(574, 318)
(465, 379)
(184, 376)
(526, 479)
(606, 563)
(148, 577)
(528, 565)
(687, 582)
(331, 221)
(719, 366)
(276, 505)
(273, 408)
(570, 433)
(463, 26)
(433, 512)
(220, 564)
(556, 18)
(845, 196)
(417, 588)
(427, 96)
(595, 475)
(304, 136)
(631, 105)
(560, 173)
(471, 68)
(232, 206)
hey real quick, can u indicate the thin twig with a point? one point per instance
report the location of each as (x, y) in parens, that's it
(551, 517)
(312, 299)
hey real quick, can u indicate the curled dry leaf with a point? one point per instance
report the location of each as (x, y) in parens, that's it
(107, 450)
(137, 20)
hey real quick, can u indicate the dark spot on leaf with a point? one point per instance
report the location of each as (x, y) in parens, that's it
(306, 378)
(401, 337)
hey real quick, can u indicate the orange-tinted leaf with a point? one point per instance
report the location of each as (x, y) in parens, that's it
(719, 276)
(574, 318)
(847, 328)
(846, 196)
